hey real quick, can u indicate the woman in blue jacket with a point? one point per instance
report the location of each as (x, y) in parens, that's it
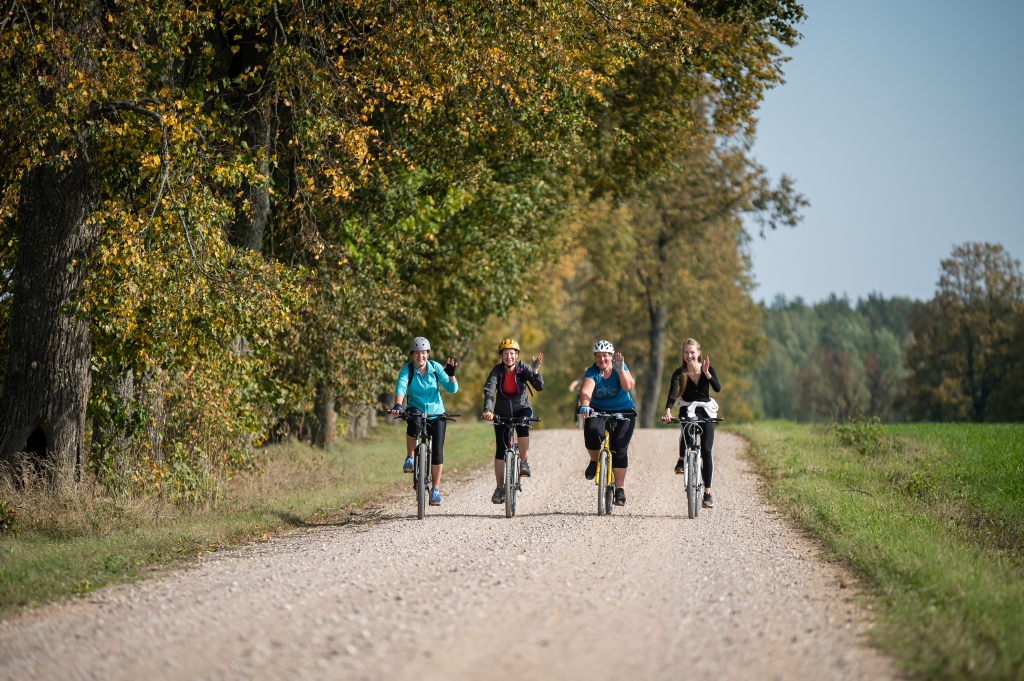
(419, 385)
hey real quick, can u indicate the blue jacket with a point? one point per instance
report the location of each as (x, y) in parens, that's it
(424, 391)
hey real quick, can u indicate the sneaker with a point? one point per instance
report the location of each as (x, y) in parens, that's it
(681, 467)
(524, 469)
(499, 495)
(409, 463)
(435, 497)
(708, 501)
(620, 497)
(591, 471)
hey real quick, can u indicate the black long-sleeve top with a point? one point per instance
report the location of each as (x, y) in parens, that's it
(692, 392)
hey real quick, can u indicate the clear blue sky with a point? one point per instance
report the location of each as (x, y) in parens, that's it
(903, 123)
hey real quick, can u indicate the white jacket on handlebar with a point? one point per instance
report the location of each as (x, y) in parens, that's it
(710, 407)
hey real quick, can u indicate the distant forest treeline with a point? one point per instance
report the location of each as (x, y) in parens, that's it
(958, 356)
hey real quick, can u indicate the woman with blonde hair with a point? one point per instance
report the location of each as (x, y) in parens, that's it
(690, 384)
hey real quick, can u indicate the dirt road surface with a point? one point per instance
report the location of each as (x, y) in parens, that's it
(556, 593)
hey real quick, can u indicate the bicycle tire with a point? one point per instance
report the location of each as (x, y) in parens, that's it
(603, 468)
(510, 483)
(609, 499)
(422, 475)
(693, 499)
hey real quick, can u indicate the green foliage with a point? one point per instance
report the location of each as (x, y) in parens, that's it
(867, 436)
(287, 191)
(935, 527)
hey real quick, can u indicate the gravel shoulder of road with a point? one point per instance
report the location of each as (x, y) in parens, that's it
(555, 593)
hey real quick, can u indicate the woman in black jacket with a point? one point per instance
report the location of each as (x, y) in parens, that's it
(693, 382)
(505, 394)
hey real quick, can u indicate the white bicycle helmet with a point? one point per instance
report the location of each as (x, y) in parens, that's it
(419, 343)
(603, 346)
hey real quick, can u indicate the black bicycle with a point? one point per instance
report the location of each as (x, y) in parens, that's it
(421, 477)
(512, 478)
(691, 429)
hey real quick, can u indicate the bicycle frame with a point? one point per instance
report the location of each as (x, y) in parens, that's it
(690, 430)
(605, 478)
(511, 479)
(422, 476)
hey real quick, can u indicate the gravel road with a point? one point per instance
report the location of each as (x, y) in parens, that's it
(556, 593)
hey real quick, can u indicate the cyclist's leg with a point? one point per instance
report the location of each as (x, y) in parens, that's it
(707, 443)
(436, 429)
(412, 429)
(621, 433)
(523, 433)
(593, 435)
(501, 434)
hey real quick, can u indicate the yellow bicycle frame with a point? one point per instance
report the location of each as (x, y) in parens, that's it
(606, 446)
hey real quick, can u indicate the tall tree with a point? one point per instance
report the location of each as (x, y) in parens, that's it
(677, 250)
(965, 337)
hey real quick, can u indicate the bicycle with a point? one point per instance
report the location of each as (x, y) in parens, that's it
(421, 478)
(605, 492)
(692, 476)
(511, 477)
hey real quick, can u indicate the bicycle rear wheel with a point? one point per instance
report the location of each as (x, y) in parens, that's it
(693, 499)
(603, 469)
(422, 476)
(609, 498)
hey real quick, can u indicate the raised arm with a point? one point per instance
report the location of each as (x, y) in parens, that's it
(713, 379)
(533, 377)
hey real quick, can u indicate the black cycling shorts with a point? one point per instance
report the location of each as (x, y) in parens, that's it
(619, 435)
(503, 433)
(435, 429)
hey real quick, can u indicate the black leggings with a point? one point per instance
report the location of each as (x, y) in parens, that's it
(503, 433)
(435, 429)
(707, 443)
(619, 435)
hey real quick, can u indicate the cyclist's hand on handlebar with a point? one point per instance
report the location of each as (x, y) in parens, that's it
(586, 411)
(450, 367)
(396, 410)
(667, 416)
(488, 416)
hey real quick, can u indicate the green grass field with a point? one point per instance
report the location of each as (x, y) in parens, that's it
(932, 516)
(78, 544)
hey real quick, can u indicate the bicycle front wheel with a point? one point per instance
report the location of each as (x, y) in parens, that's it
(693, 499)
(422, 478)
(603, 471)
(511, 463)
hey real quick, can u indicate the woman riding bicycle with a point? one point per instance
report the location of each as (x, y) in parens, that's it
(606, 386)
(690, 384)
(420, 380)
(507, 382)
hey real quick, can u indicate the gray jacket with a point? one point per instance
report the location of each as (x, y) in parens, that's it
(508, 406)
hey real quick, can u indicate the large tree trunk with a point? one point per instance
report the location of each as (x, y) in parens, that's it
(47, 380)
(658, 313)
(248, 230)
(327, 418)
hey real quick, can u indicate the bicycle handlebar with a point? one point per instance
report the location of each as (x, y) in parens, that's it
(509, 420)
(405, 416)
(704, 420)
(609, 414)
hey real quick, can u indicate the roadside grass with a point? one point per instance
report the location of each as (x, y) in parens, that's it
(931, 515)
(79, 542)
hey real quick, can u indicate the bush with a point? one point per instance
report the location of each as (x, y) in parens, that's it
(867, 436)
(8, 518)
